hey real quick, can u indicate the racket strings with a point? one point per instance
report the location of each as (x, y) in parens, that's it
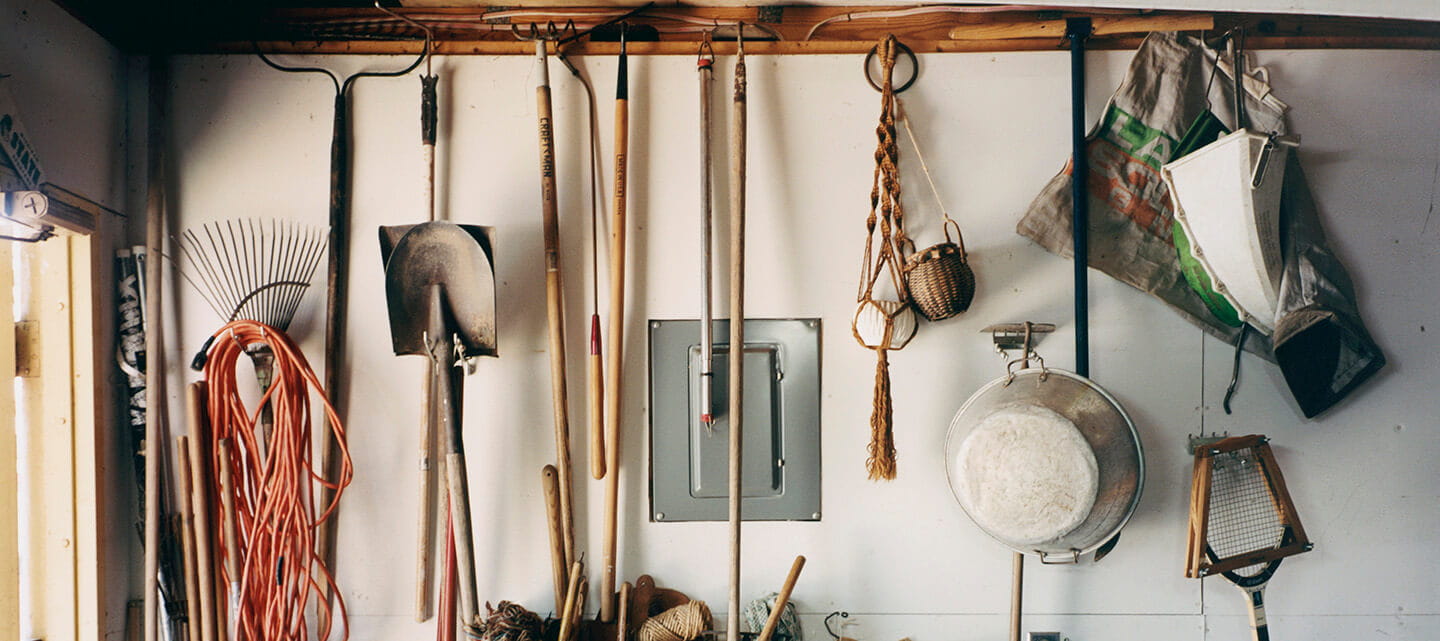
(1244, 517)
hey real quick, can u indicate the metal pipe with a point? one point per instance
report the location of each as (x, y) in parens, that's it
(707, 339)
(1077, 30)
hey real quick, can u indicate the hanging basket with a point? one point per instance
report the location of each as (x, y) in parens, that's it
(939, 277)
(883, 324)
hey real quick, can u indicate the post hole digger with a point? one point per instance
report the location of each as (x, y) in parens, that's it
(440, 289)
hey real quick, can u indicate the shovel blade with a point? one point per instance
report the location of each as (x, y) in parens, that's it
(459, 260)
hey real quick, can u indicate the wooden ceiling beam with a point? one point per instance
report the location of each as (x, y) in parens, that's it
(785, 30)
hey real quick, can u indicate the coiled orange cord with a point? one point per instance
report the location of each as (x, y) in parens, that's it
(275, 498)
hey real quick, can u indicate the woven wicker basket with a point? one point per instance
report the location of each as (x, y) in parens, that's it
(939, 278)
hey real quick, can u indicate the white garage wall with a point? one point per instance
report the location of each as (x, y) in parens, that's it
(249, 141)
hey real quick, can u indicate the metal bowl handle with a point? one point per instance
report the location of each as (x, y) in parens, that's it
(1073, 558)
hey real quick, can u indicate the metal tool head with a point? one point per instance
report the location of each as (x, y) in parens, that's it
(459, 259)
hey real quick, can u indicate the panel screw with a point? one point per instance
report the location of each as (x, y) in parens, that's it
(659, 516)
(815, 516)
(655, 324)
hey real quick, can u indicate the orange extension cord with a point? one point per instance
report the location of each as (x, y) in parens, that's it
(275, 497)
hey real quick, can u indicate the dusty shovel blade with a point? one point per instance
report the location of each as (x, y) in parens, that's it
(458, 258)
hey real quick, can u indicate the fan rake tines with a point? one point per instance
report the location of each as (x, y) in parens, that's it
(252, 269)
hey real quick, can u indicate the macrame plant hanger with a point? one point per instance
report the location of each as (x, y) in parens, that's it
(884, 324)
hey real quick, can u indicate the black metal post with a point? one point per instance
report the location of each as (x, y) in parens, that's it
(1077, 30)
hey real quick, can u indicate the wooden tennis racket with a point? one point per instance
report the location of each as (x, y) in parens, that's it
(1242, 521)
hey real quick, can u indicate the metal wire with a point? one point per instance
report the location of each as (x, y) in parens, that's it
(1244, 516)
(248, 269)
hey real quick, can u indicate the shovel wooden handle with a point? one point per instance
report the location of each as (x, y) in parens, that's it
(425, 522)
(780, 601)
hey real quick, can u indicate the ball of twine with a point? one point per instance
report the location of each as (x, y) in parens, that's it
(683, 622)
(509, 622)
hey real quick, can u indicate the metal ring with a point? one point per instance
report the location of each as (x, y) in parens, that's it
(914, 63)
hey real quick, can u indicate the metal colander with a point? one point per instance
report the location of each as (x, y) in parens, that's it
(1106, 428)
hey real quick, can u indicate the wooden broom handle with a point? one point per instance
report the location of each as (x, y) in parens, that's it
(780, 601)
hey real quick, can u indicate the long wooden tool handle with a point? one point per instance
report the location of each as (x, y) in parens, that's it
(617, 351)
(232, 541)
(448, 391)
(464, 550)
(557, 544)
(201, 486)
(622, 620)
(554, 298)
(187, 536)
(154, 344)
(737, 334)
(595, 378)
(337, 288)
(445, 626)
(567, 613)
(425, 519)
(780, 601)
(1017, 591)
(579, 615)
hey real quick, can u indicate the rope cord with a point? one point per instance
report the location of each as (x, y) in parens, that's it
(508, 621)
(915, 144)
(275, 495)
(887, 211)
(684, 622)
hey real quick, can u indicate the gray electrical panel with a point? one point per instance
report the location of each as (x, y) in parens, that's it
(689, 461)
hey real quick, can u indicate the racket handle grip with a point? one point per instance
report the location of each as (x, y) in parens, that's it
(1259, 627)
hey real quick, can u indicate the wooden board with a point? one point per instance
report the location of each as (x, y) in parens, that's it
(795, 30)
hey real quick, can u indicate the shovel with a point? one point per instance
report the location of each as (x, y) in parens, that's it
(440, 287)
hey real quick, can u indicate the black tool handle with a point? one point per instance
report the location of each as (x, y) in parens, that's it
(428, 116)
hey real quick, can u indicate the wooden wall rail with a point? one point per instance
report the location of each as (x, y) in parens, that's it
(781, 30)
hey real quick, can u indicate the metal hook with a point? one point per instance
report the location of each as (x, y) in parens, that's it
(841, 614)
(1235, 368)
(706, 55)
(914, 65)
(429, 34)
